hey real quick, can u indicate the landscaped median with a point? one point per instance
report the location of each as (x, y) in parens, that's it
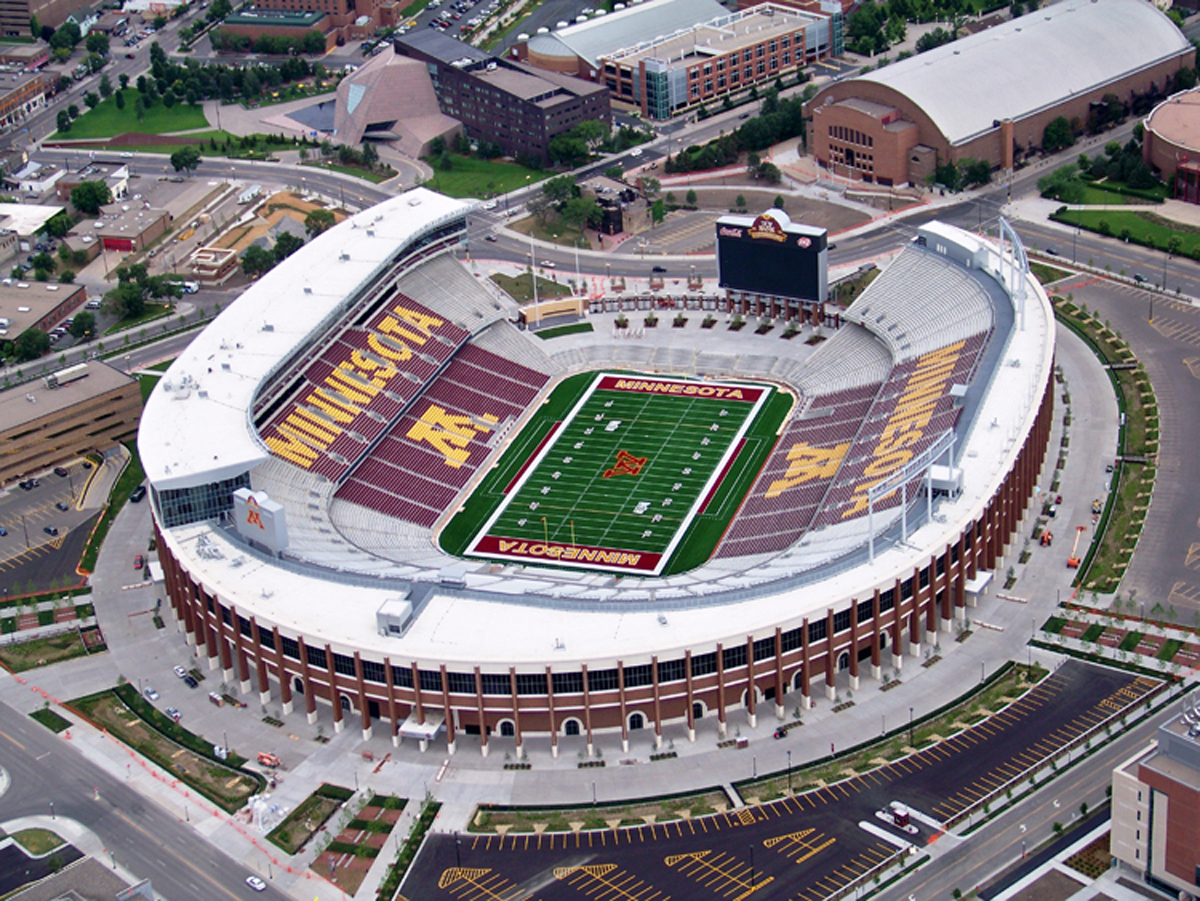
(122, 713)
(307, 819)
(408, 851)
(1124, 514)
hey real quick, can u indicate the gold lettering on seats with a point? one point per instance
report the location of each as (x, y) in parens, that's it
(449, 434)
(807, 463)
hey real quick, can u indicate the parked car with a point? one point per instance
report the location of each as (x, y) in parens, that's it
(173, 714)
(255, 883)
(3, 531)
(190, 681)
(150, 693)
(660, 270)
(60, 471)
(138, 493)
(180, 671)
(63, 505)
(52, 531)
(87, 464)
(139, 561)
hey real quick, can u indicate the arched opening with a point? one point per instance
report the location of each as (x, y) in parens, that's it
(843, 661)
(636, 721)
(769, 693)
(345, 703)
(883, 640)
(298, 685)
(798, 680)
(697, 710)
(572, 726)
(508, 728)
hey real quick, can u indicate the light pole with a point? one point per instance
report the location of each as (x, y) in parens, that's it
(1074, 242)
(789, 755)
(910, 727)
(457, 852)
(52, 810)
(751, 867)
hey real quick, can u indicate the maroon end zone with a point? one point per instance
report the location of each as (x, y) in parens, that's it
(600, 557)
(739, 393)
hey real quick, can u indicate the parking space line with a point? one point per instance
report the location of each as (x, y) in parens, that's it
(606, 880)
(720, 872)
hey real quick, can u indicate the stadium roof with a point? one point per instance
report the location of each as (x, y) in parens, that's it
(641, 22)
(1032, 63)
(202, 428)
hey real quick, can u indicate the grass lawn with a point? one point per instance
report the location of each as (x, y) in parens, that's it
(1046, 274)
(50, 719)
(37, 841)
(373, 177)
(28, 655)
(520, 288)
(473, 177)
(229, 788)
(153, 311)
(106, 121)
(553, 232)
(559, 330)
(302, 823)
(1143, 228)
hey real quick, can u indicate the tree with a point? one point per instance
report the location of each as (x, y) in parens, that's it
(106, 87)
(740, 202)
(91, 99)
(124, 80)
(186, 158)
(580, 211)
(615, 172)
(66, 277)
(97, 42)
(1058, 135)
(159, 23)
(35, 27)
(44, 261)
(975, 172)
(778, 202)
(83, 325)
(560, 189)
(66, 37)
(651, 187)
(73, 111)
(89, 196)
(770, 173)
(286, 245)
(63, 121)
(690, 197)
(567, 149)
(120, 101)
(437, 146)
(1062, 184)
(57, 226)
(257, 260)
(318, 221)
(30, 345)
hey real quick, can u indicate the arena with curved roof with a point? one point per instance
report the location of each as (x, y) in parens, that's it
(319, 457)
(992, 94)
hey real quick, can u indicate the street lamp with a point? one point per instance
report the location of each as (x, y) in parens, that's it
(52, 810)
(910, 727)
(789, 755)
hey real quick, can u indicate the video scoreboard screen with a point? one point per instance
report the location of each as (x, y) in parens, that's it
(769, 254)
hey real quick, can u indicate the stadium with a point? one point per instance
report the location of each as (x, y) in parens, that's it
(374, 493)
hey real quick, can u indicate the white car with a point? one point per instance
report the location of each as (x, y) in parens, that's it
(490, 205)
(127, 155)
(180, 671)
(636, 151)
(255, 883)
(150, 693)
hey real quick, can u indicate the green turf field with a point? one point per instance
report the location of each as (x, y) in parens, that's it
(613, 471)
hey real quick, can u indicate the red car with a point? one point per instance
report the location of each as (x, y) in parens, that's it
(139, 561)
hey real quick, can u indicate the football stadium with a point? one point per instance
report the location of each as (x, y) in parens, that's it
(376, 493)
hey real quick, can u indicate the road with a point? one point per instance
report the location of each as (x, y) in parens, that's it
(1029, 824)
(141, 836)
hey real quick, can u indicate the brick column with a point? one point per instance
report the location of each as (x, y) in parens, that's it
(624, 712)
(854, 644)
(310, 698)
(780, 686)
(483, 730)
(451, 734)
(391, 701)
(516, 707)
(281, 672)
(805, 668)
(364, 707)
(830, 662)
(550, 708)
(691, 696)
(751, 687)
(876, 650)
(722, 726)
(334, 696)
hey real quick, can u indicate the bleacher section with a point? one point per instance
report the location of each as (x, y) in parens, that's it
(435, 448)
(874, 396)
(445, 285)
(358, 383)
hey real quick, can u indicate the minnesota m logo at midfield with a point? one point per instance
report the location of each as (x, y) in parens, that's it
(627, 465)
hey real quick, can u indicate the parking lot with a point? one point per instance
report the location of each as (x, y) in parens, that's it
(38, 526)
(806, 846)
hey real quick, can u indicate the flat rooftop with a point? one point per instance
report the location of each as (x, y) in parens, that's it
(16, 408)
(25, 302)
(524, 85)
(276, 17)
(723, 35)
(27, 218)
(1178, 120)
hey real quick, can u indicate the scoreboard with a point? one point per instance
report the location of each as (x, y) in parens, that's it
(770, 254)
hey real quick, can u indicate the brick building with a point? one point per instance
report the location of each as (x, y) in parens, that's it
(991, 95)
(1155, 799)
(672, 55)
(294, 24)
(1171, 145)
(23, 98)
(512, 104)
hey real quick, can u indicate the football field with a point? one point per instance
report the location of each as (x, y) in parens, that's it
(615, 484)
